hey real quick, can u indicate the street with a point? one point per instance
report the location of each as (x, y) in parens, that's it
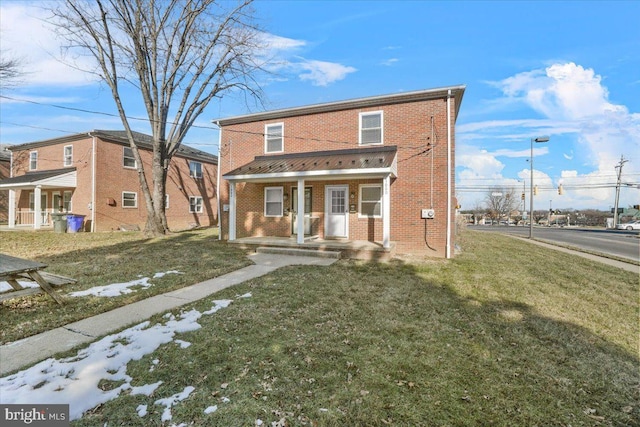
(623, 244)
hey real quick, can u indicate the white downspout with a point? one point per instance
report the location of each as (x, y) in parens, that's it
(449, 198)
(93, 182)
(217, 123)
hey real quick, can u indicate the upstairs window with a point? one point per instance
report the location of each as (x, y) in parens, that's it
(371, 128)
(195, 169)
(273, 138)
(68, 155)
(33, 160)
(128, 161)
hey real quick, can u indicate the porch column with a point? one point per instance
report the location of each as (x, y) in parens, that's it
(232, 210)
(37, 208)
(300, 213)
(12, 209)
(386, 212)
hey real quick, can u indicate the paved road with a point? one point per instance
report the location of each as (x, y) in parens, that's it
(624, 244)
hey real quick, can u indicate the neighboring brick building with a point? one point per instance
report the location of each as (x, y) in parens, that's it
(94, 174)
(5, 164)
(378, 169)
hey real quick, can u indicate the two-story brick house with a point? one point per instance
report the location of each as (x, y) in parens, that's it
(377, 169)
(94, 174)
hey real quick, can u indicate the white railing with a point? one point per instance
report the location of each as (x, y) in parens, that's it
(26, 216)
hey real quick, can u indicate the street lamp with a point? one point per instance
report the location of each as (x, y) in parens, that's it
(538, 139)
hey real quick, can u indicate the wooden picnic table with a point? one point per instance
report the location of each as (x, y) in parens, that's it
(12, 269)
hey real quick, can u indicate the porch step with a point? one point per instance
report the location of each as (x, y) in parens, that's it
(319, 253)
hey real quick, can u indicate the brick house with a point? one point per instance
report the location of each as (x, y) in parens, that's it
(5, 163)
(377, 169)
(94, 174)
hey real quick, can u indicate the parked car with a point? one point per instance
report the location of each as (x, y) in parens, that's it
(633, 225)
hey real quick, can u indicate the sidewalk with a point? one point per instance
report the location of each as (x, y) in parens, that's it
(33, 349)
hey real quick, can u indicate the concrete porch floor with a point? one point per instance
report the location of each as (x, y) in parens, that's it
(357, 249)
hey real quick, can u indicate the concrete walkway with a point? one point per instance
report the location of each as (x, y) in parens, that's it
(31, 350)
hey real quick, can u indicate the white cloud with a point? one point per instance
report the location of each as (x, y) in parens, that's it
(390, 62)
(322, 73)
(575, 105)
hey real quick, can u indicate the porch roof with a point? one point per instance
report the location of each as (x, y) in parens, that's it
(57, 178)
(371, 162)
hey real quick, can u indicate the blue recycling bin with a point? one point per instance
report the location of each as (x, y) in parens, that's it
(74, 223)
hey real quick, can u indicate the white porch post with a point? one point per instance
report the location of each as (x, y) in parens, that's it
(12, 209)
(37, 208)
(300, 213)
(386, 212)
(232, 210)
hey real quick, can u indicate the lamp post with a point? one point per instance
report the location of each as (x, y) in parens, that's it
(538, 139)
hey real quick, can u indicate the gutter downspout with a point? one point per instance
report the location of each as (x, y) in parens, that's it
(93, 182)
(217, 123)
(449, 183)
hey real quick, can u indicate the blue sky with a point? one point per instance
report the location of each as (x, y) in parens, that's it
(570, 70)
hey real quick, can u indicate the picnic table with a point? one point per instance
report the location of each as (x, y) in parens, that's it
(12, 269)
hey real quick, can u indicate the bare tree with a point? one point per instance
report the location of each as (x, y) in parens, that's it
(10, 69)
(500, 202)
(179, 54)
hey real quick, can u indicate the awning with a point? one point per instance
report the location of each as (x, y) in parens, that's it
(58, 178)
(371, 162)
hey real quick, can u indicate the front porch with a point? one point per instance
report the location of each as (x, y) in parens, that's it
(355, 249)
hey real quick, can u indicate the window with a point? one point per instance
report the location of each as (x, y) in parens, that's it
(128, 161)
(129, 199)
(33, 160)
(273, 138)
(273, 201)
(68, 155)
(371, 128)
(370, 201)
(195, 169)
(195, 204)
(66, 201)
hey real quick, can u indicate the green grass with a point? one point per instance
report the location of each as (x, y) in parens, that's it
(506, 334)
(98, 259)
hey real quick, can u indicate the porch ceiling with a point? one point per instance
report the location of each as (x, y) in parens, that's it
(373, 162)
(59, 178)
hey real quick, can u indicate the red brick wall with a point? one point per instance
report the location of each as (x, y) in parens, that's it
(112, 178)
(407, 126)
(4, 194)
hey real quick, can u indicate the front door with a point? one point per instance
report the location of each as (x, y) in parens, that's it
(307, 211)
(336, 211)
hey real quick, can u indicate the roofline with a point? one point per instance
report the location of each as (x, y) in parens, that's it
(106, 136)
(323, 174)
(373, 101)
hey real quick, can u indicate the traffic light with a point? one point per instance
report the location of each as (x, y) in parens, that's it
(535, 190)
(560, 190)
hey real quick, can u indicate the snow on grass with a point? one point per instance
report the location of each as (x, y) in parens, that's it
(5, 286)
(117, 289)
(76, 380)
(171, 401)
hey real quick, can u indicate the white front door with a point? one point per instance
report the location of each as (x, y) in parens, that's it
(336, 211)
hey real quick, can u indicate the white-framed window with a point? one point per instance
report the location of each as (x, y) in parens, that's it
(128, 161)
(33, 160)
(273, 203)
(68, 155)
(195, 204)
(195, 169)
(66, 200)
(274, 138)
(371, 128)
(129, 199)
(370, 201)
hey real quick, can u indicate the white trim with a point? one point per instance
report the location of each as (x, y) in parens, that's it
(64, 156)
(332, 174)
(371, 113)
(135, 162)
(12, 209)
(94, 155)
(199, 206)
(69, 208)
(232, 211)
(449, 183)
(327, 205)
(266, 189)
(135, 199)
(386, 212)
(360, 187)
(300, 217)
(266, 134)
(194, 174)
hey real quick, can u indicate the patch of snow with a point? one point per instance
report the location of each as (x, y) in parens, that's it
(142, 410)
(226, 400)
(74, 380)
(247, 295)
(5, 286)
(171, 401)
(211, 409)
(182, 344)
(117, 289)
